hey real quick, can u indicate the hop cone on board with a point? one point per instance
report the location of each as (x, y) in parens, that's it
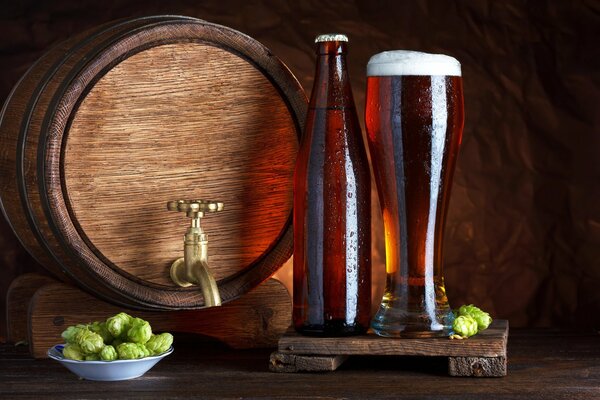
(483, 319)
(108, 353)
(465, 326)
(88, 341)
(159, 343)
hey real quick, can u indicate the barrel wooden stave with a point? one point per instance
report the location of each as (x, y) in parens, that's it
(14, 126)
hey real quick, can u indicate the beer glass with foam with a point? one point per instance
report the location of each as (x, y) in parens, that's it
(414, 119)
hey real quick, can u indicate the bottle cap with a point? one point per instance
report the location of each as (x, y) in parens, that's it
(331, 37)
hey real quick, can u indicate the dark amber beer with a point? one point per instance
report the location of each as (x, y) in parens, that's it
(332, 206)
(414, 119)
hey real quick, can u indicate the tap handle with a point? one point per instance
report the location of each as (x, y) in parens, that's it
(193, 267)
(195, 208)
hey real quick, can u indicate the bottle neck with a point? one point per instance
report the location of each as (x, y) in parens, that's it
(331, 87)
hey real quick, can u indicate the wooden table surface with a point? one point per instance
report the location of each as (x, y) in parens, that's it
(543, 364)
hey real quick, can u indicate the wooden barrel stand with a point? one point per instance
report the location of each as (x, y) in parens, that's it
(39, 309)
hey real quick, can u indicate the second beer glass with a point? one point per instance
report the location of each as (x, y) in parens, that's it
(414, 119)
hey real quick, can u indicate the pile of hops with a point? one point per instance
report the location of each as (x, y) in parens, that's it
(121, 337)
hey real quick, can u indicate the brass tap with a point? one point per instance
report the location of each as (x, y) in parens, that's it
(193, 267)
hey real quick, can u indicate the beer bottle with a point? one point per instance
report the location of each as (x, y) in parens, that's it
(332, 206)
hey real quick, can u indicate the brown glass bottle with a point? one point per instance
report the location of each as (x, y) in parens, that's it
(332, 206)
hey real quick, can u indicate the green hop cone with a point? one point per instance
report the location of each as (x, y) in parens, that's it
(159, 343)
(483, 319)
(101, 329)
(140, 331)
(88, 341)
(92, 357)
(465, 326)
(69, 334)
(144, 350)
(119, 324)
(129, 351)
(73, 352)
(108, 353)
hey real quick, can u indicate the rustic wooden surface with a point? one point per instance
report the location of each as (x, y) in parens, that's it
(137, 113)
(482, 355)
(477, 366)
(484, 367)
(18, 297)
(282, 362)
(24, 112)
(257, 319)
(544, 364)
(175, 122)
(489, 343)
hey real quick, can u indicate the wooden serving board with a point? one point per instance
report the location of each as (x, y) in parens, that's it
(483, 355)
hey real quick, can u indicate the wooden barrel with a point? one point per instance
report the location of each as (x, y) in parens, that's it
(109, 126)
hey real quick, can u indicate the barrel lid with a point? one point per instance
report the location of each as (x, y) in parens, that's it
(176, 109)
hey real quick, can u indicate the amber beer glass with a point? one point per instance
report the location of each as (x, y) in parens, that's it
(414, 119)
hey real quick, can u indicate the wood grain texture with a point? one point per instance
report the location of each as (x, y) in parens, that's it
(280, 362)
(544, 364)
(14, 121)
(257, 319)
(483, 355)
(21, 125)
(159, 127)
(477, 366)
(489, 343)
(18, 297)
(145, 111)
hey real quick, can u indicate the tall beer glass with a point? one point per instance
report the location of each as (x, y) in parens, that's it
(414, 119)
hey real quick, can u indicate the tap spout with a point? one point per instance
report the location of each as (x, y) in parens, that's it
(193, 268)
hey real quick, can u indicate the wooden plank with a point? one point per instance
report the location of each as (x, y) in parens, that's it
(489, 343)
(477, 366)
(282, 362)
(18, 296)
(257, 319)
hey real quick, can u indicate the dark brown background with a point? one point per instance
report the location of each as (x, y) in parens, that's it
(523, 231)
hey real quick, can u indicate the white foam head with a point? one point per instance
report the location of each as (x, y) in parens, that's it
(405, 62)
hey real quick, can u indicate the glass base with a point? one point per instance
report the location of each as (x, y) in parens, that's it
(331, 328)
(390, 322)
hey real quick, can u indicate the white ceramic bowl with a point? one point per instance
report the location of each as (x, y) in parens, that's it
(118, 370)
